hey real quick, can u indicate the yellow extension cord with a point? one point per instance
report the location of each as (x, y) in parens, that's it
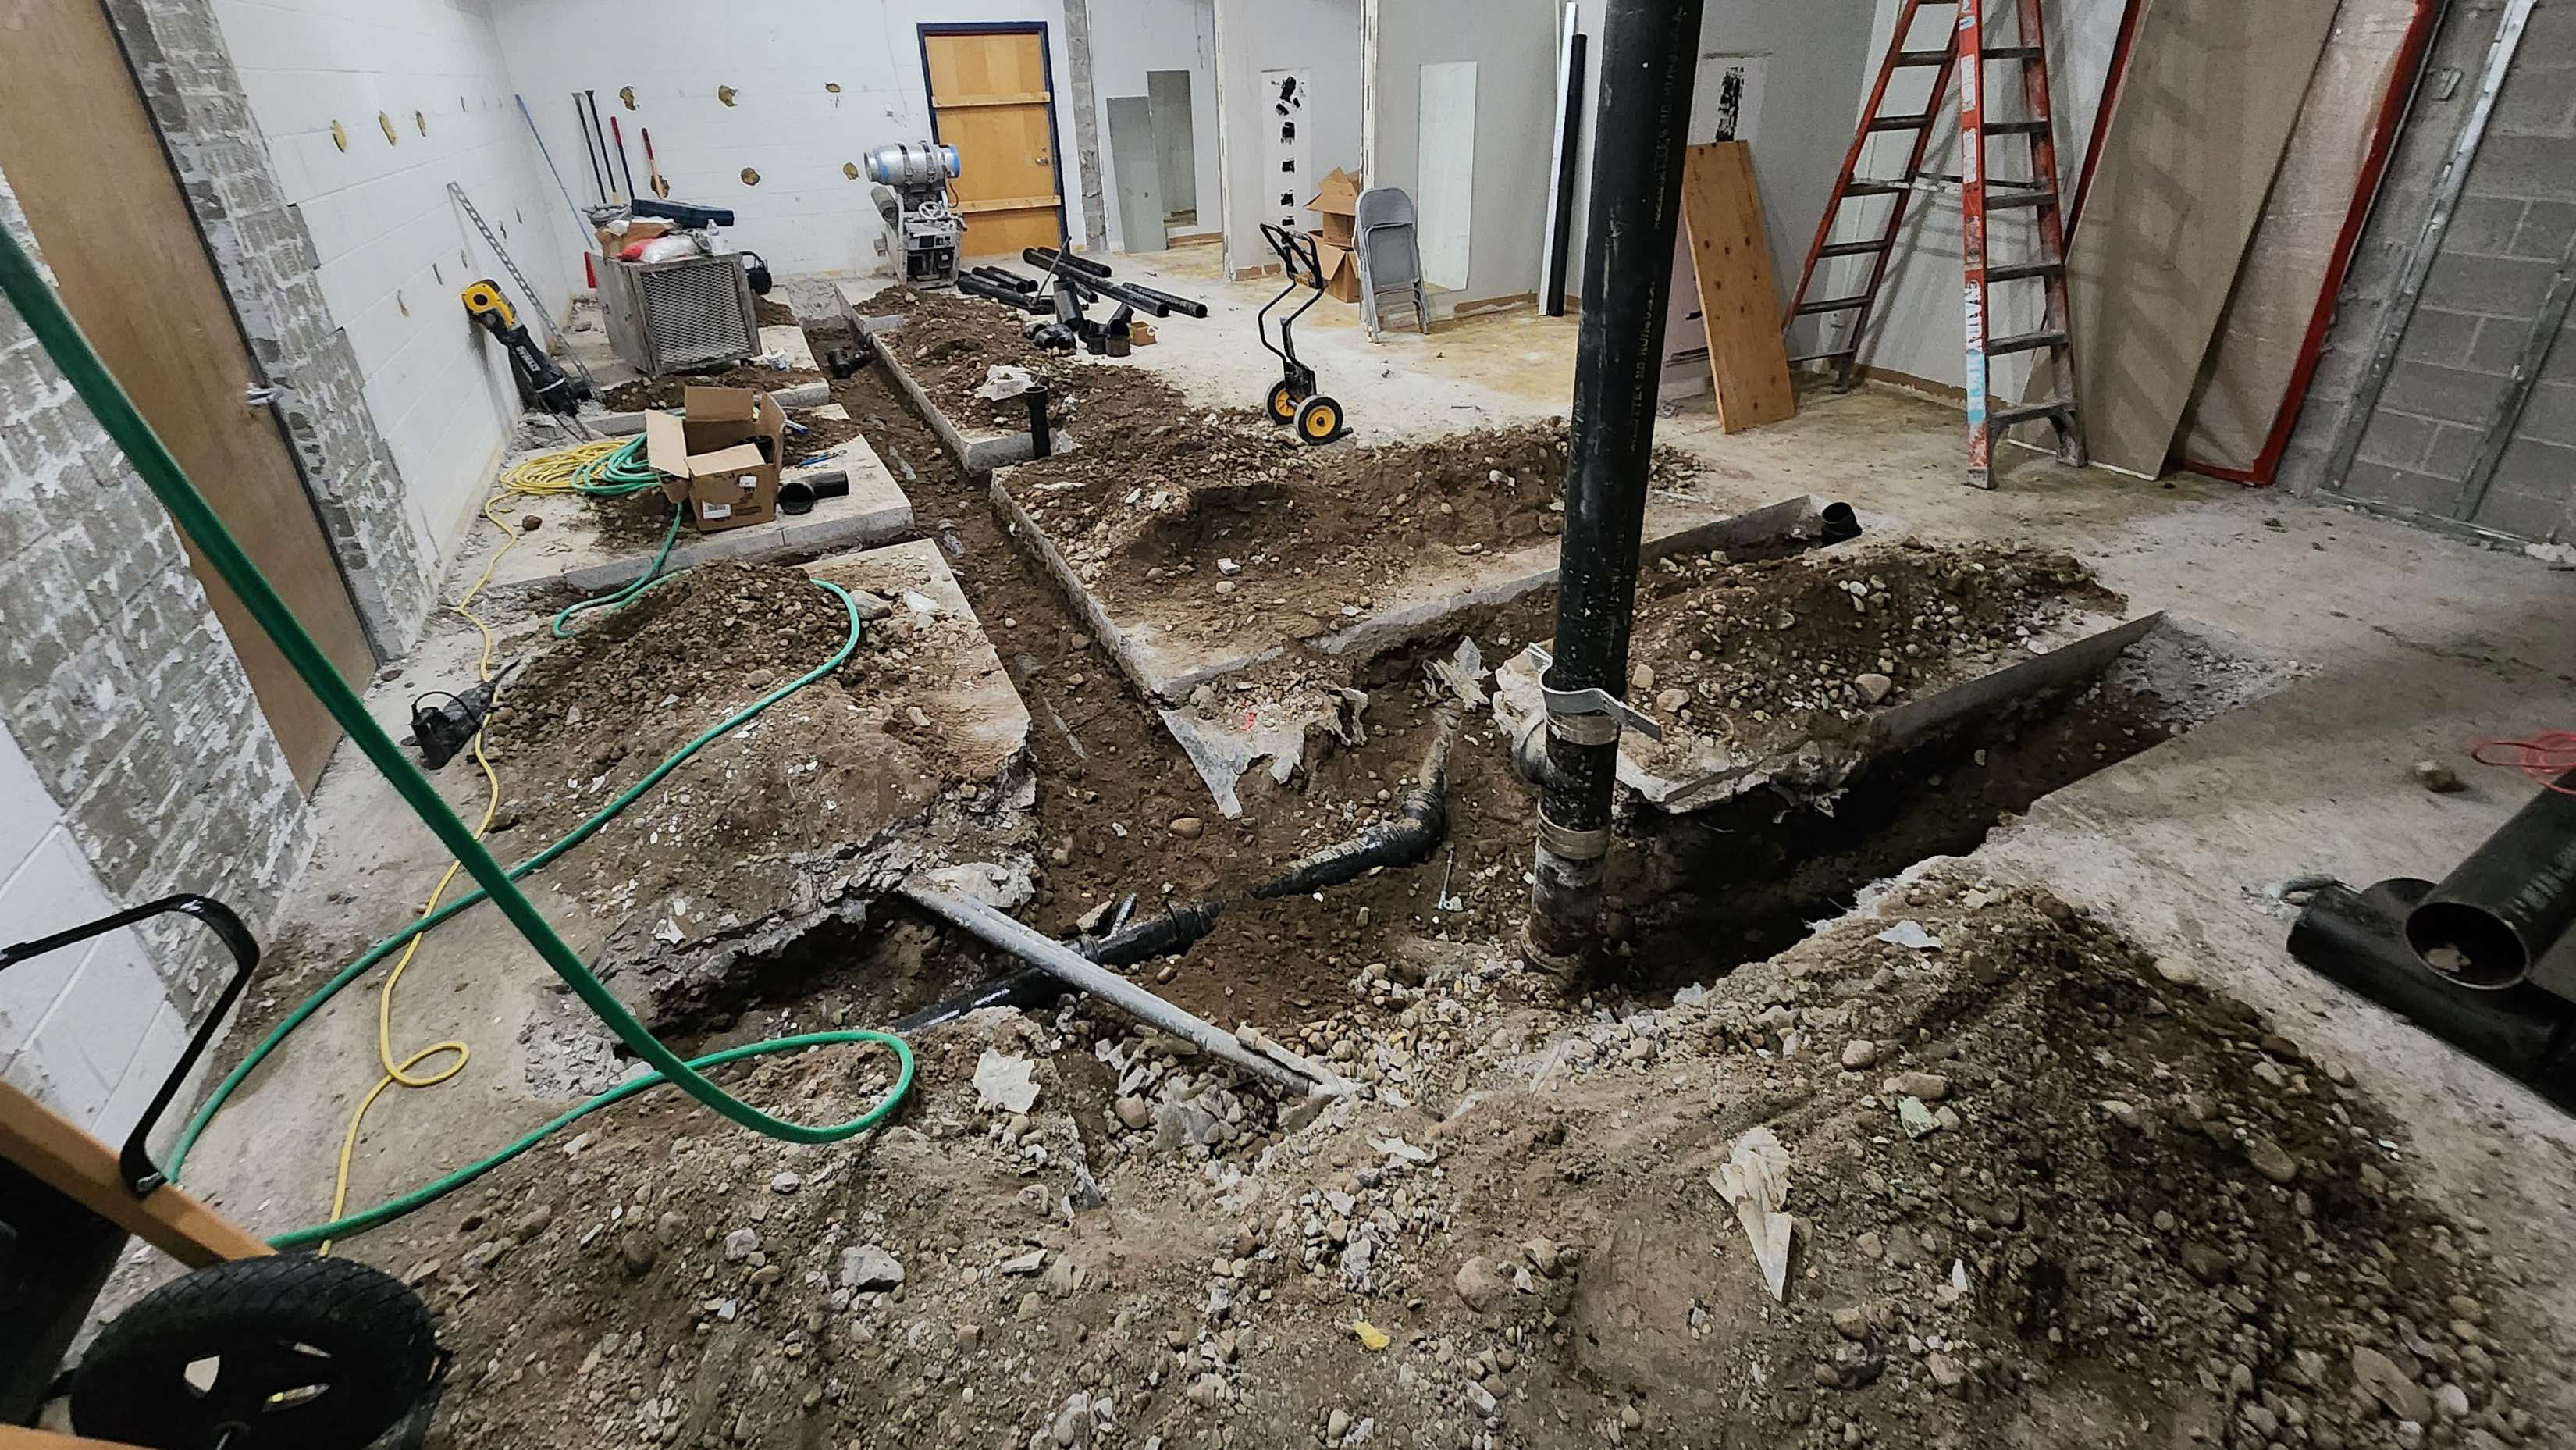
(551, 473)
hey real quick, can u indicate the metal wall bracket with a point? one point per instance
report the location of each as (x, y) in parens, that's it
(1592, 701)
(261, 396)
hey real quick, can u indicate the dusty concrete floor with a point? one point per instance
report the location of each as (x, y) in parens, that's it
(2410, 645)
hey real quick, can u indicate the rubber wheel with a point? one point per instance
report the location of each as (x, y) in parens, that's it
(1281, 405)
(1319, 419)
(287, 1352)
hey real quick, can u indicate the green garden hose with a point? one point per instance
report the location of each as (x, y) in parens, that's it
(619, 599)
(36, 302)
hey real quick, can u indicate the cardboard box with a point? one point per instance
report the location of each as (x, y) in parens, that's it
(719, 456)
(1336, 205)
(1340, 266)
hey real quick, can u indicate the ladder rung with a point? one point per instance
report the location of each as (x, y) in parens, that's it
(1823, 356)
(1853, 249)
(1925, 57)
(2016, 271)
(2025, 341)
(1914, 122)
(1996, 201)
(1833, 304)
(2026, 412)
(1871, 186)
(2010, 52)
(2015, 128)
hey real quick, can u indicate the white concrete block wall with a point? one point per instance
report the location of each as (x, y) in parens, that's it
(804, 215)
(90, 1030)
(394, 250)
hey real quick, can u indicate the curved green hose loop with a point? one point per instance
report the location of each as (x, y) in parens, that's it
(624, 471)
(619, 599)
(429, 1193)
(33, 296)
(277, 1035)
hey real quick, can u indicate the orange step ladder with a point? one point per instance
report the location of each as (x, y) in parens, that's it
(1980, 195)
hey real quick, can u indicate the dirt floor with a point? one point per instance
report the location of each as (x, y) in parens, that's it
(2043, 1187)
(666, 392)
(2045, 1191)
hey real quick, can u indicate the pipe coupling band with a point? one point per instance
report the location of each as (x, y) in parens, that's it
(1587, 729)
(1571, 845)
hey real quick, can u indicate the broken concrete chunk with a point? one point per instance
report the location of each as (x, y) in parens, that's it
(869, 1267)
(1480, 1286)
(1004, 1082)
(1910, 934)
(1917, 1119)
(2379, 1375)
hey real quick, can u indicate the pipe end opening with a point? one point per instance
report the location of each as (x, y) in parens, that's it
(2464, 944)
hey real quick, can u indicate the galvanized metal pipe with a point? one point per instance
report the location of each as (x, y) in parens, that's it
(1068, 966)
(1649, 50)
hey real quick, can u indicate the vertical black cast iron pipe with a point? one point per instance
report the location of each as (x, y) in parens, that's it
(1648, 53)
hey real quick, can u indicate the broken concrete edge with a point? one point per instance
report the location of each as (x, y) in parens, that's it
(978, 453)
(1798, 517)
(855, 531)
(1123, 652)
(1812, 767)
(800, 395)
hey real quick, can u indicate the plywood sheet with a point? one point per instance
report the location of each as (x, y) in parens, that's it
(1748, 360)
(2245, 380)
(1445, 171)
(2203, 115)
(1140, 180)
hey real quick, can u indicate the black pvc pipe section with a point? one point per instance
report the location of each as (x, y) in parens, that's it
(1402, 839)
(2509, 902)
(1649, 50)
(1053, 260)
(1553, 302)
(1041, 433)
(2357, 939)
(1840, 522)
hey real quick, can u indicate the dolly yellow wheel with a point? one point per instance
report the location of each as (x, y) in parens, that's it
(1319, 420)
(1282, 405)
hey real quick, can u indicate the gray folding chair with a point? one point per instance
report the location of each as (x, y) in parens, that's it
(1390, 260)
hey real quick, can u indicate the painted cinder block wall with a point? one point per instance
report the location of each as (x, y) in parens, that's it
(2508, 237)
(420, 96)
(134, 762)
(782, 61)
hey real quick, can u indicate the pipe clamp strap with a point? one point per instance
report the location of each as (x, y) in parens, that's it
(1590, 716)
(1571, 845)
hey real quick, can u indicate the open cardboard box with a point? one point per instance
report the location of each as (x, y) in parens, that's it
(1336, 205)
(719, 456)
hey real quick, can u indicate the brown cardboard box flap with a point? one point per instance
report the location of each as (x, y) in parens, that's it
(1338, 192)
(711, 455)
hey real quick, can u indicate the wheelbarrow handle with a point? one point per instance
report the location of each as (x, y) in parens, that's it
(1297, 253)
(134, 1161)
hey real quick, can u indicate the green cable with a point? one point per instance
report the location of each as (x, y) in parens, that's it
(619, 599)
(52, 325)
(431, 1192)
(277, 1035)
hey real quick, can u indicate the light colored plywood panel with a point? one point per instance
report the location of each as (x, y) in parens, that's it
(1002, 152)
(1445, 171)
(1731, 258)
(134, 273)
(1175, 143)
(2188, 154)
(1002, 63)
(2246, 377)
(1004, 233)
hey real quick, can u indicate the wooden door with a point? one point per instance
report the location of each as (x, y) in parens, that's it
(87, 167)
(990, 98)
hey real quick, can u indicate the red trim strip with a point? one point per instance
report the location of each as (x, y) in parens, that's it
(2102, 112)
(2374, 166)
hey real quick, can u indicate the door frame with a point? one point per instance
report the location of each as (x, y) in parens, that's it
(1046, 60)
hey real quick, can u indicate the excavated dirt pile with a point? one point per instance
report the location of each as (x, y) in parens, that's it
(2041, 1191)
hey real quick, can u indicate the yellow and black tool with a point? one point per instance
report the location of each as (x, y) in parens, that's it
(542, 385)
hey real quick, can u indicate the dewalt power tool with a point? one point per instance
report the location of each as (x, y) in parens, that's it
(542, 385)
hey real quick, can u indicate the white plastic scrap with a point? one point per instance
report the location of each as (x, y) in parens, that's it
(1461, 674)
(1003, 1081)
(1398, 1148)
(1755, 1178)
(1002, 381)
(1910, 934)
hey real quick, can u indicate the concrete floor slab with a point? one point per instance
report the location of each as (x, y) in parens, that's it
(568, 550)
(1690, 770)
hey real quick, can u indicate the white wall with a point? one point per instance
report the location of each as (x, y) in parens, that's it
(1321, 37)
(1813, 52)
(804, 216)
(1513, 44)
(90, 1030)
(394, 250)
(1920, 326)
(1131, 37)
